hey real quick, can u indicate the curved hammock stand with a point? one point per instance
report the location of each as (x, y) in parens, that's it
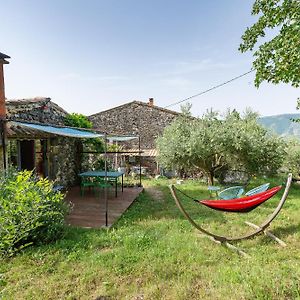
(240, 201)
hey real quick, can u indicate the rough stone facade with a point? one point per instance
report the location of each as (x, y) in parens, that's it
(137, 118)
(61, 153)
(65, 160)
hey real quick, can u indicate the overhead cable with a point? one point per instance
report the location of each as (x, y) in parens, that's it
(210, 89)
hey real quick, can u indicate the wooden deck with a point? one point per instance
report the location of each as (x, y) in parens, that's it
(89, 211)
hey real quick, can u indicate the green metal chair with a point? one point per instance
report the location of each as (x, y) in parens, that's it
(102, 183)
(86, 182)
(231, 193)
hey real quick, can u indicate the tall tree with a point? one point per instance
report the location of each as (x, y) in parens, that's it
(277, 59)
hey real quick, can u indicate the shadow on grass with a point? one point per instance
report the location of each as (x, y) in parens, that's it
(287, 230)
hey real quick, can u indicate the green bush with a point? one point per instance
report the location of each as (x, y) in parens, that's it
(30, 211)
(78, 120)
(292, 158)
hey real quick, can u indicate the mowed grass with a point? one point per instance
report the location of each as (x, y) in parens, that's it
(154, 253)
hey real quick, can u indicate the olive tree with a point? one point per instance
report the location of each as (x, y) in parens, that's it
(292, 159)
(212, 144)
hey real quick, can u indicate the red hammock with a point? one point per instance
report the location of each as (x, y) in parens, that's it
(244, 204)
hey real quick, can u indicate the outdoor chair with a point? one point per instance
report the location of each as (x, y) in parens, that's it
(259, 189)
(231, 193)
(86, 183)
(102, 183)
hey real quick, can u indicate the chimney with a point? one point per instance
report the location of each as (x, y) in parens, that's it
(151, 102)
(2, 90)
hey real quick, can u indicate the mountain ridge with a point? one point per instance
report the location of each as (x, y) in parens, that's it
(282, 124)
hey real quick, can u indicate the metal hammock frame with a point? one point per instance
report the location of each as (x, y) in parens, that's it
(258, 228)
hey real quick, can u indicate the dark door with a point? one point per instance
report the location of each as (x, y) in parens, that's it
(27, 155)
(45, 160)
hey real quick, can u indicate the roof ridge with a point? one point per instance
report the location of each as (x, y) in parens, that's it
(34, 100)
(139, 103)
(3, 56)
(159, 108)
(125, 104)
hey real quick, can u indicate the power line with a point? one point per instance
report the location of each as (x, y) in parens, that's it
(210, 89)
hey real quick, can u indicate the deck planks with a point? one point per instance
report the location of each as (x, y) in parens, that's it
(89, 210)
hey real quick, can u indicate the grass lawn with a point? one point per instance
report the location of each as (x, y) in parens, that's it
(154, 253)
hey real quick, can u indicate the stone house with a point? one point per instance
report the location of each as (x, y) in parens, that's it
(33, 137)
(52, 156)
(59, 158)
(137, 118)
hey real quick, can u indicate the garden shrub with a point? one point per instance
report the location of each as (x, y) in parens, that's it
(30, 211)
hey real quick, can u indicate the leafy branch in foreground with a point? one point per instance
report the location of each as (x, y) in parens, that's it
(278, 59)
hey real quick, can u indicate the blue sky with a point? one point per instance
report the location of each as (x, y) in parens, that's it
(93, 55)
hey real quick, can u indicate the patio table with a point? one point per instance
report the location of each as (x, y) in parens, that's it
(213, 189)
(114, 175)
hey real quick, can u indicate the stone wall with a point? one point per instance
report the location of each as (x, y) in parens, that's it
(64, 161)
(137, 118)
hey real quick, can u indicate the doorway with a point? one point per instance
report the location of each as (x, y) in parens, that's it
(26, 150)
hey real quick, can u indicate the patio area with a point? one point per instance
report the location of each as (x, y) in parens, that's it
(89, 210)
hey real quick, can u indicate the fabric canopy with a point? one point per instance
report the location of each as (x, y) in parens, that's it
(62, 131)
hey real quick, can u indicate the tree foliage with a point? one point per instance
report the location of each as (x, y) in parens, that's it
(78, 120)
(212, 145)
(277, 59)
(81, 121)
(292, 159)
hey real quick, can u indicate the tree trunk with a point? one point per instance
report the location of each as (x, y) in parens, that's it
(210, 177)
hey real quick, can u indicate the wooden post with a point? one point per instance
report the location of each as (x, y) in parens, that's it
(140, 184)
(3, 142)
(268, 233)
(3, 108)
(105, 188)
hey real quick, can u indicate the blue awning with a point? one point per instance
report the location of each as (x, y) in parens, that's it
(62, 131)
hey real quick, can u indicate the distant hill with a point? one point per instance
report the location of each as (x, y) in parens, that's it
(282, 124)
